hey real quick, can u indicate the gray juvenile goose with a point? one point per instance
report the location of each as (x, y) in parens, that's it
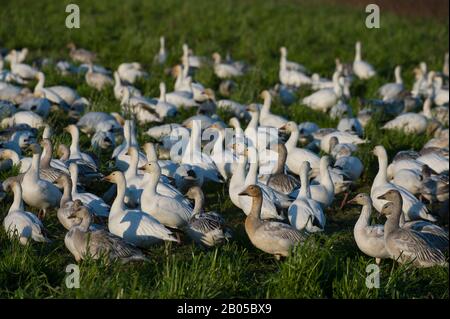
(407, 245)
(279, 180)
(272, 237)
(205, 228)
(82, 243)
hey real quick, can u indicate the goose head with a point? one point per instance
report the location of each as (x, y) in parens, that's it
(391, 195)
(283, 51)
(71, 129)
(151, 167)
(265, 95)
(81, 213)
(253, 108)
(388, 209)
(194, 192)
(62, 180)
(63, 151)
(71, 46)
(115, 177)
(216, 57)
(289, 127)
(252, 191)
(35, 149)
(360, 199)
(234, 123)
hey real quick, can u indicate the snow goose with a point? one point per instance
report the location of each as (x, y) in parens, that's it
(37, 192)
(291, 66)
(391, 91)
(97, 80)
(168, 211)
(17, 56)
(119, 88)
(267, 118)
(162, 107)
(24, 71)
(67, 205)
(434, 187)
(193, 155)
(131, 72)
(406, 245)
(343, 138)
(238, 110)
(92, 122)
(81, 55)
(205, 228)
(410, 123)
(194, 61)
(272, 237)
(351, 125)
(278, 179)
(369, 238)
(361, 68)
(305, 213)
(134, 226)
(29, 118)
(161, 57)
(94, 203)
(85, 243)
(59, 94)
(237, 185)
(225, 70)
(297, 155)
(436, 161)
(412, 207)
(40, 106)
(122, 160)
(324, 99)
(20, 223)
(291, 77)
(223, 158)
(75, 152)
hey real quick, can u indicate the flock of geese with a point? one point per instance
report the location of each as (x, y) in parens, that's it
(156, 194)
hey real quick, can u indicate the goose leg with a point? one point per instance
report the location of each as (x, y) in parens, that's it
(344, 201)
(378, 261)
(41, 214)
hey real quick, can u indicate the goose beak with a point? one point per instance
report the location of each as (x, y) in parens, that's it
(142, 168)
(381, 196)
(244, 193)
(106, 178)
(282, 128)
(352, 201)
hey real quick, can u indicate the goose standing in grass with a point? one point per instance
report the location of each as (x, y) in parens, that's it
(290, 65)
(37, 192)
(343, 138)
(83, 243)
(161, 57)
(94, 203)
(305, 213)
(407, 245)
(272, 237)
(266, 118)
(369, 238)
(20, 223)
(291, 77)
(81, 55)
(325, 99)
(168, 211)
(134, 226)
(122, 160)
(411, 206)
(297, 155)
(278, 179)
(205, 228)
(361, 68)
(391, 91)
(97, 80)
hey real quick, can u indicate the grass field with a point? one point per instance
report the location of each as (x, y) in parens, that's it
(329, 265)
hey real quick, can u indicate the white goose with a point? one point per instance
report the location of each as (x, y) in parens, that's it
(37, 192)
(95, 204)
(391, 91)
(75, 152)
(119, 88)
(122, 160)
(361, 68)
(225, 70)
(266, 118)
(290, 65)
(24, 71)
(297, 155)
(161, 57)
(325, 99)
(412, 207)
(134, 226)
(20, 223)
(224, 158)
(167, 210)
(56, 94)
(291, 77)
(305, 213)
(131, 72)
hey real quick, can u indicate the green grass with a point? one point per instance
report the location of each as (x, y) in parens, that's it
(329, 265)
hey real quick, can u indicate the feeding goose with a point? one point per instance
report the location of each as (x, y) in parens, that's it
(206, 228)
(83, 243)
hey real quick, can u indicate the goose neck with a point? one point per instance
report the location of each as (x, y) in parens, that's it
(281, 161)
(291, 143)
(118, 204)
(255, 211)
(393, 220)
(67, 192)
(17, 204)
(199, 202)
(252, 174)
(304, 182)
(364, 217)
(381, 177)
